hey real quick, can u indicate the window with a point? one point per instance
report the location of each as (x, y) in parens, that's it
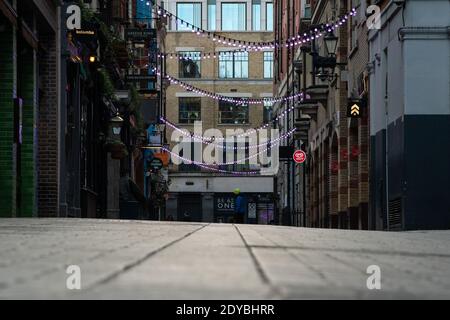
(189, 110)
(230, 113)
(307, 9)
(211, 16)
(189, 67)
(191, 13)
(268, 64)
(256, 15)
(269, 16)
(238, 155)
(190, 150)
(267, 112)
(234, 16)
(233, 65)
(354, 38)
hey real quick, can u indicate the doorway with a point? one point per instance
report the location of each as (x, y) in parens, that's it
(190, 207)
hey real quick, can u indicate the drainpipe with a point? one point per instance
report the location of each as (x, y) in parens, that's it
(62, 106)
(387, 158)
(292, 76)
(288, 120)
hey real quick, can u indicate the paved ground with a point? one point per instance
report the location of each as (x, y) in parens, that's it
(159, 260)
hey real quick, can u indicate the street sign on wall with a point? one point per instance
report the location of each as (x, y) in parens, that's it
(299, 156)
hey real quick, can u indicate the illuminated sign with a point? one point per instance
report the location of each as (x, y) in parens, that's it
(355, 108)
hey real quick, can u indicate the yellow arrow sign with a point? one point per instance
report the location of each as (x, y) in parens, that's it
(354, 111)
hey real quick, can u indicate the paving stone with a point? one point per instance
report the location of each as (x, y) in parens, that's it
(122, 259)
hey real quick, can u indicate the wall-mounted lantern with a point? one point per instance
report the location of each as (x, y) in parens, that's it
(116, 124)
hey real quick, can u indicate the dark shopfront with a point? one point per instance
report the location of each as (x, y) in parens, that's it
(260, 208)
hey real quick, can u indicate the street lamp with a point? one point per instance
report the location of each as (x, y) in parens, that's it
(116, 124)
(330, 41)
(324, 66)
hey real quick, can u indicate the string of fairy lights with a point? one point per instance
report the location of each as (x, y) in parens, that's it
(309, 35)
(243, 160)
(240, 46)
(219, 97)
(197, 56)
(301, 38)
(210, 167)
(198, 138)
(221, 142)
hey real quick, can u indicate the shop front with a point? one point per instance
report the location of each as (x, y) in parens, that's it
(260, 208)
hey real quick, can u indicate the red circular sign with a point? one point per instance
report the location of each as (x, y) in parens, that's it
(299, 156)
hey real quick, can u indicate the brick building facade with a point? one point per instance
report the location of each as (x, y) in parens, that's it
(331, 188)
(358, 144)
(290, 17)
(246, 75)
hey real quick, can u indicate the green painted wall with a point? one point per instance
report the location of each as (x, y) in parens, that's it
(7, 151)
(17, 74)
(26, 88)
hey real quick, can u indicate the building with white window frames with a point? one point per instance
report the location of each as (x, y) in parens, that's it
(214, 67)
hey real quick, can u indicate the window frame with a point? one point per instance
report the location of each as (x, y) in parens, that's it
(234, 62)
(198, 61)
(267, 20)
(187, 120)
(271, 64)
(254, 20)
(212, 25)
(268, 110)
(184, 28)
(231, 104)
(222, 4)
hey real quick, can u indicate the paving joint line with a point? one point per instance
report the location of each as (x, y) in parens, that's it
(264, 277)
(298, 259)
(141, 260)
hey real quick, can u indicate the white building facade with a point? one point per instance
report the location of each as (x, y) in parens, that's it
(410, 116)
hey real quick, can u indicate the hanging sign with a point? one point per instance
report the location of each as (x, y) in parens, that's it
(140, 34)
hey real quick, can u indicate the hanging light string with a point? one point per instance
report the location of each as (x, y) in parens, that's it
(271, 145)
(301, 38)
(197, 56)
(189, 55)
(209, 167)
(209, 140)
(237, 101)
(220, 141)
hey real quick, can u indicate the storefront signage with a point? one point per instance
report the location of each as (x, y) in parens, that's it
(224, 203)
(252, 210)
(140, 77)
(156, 164)
(140, 34)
